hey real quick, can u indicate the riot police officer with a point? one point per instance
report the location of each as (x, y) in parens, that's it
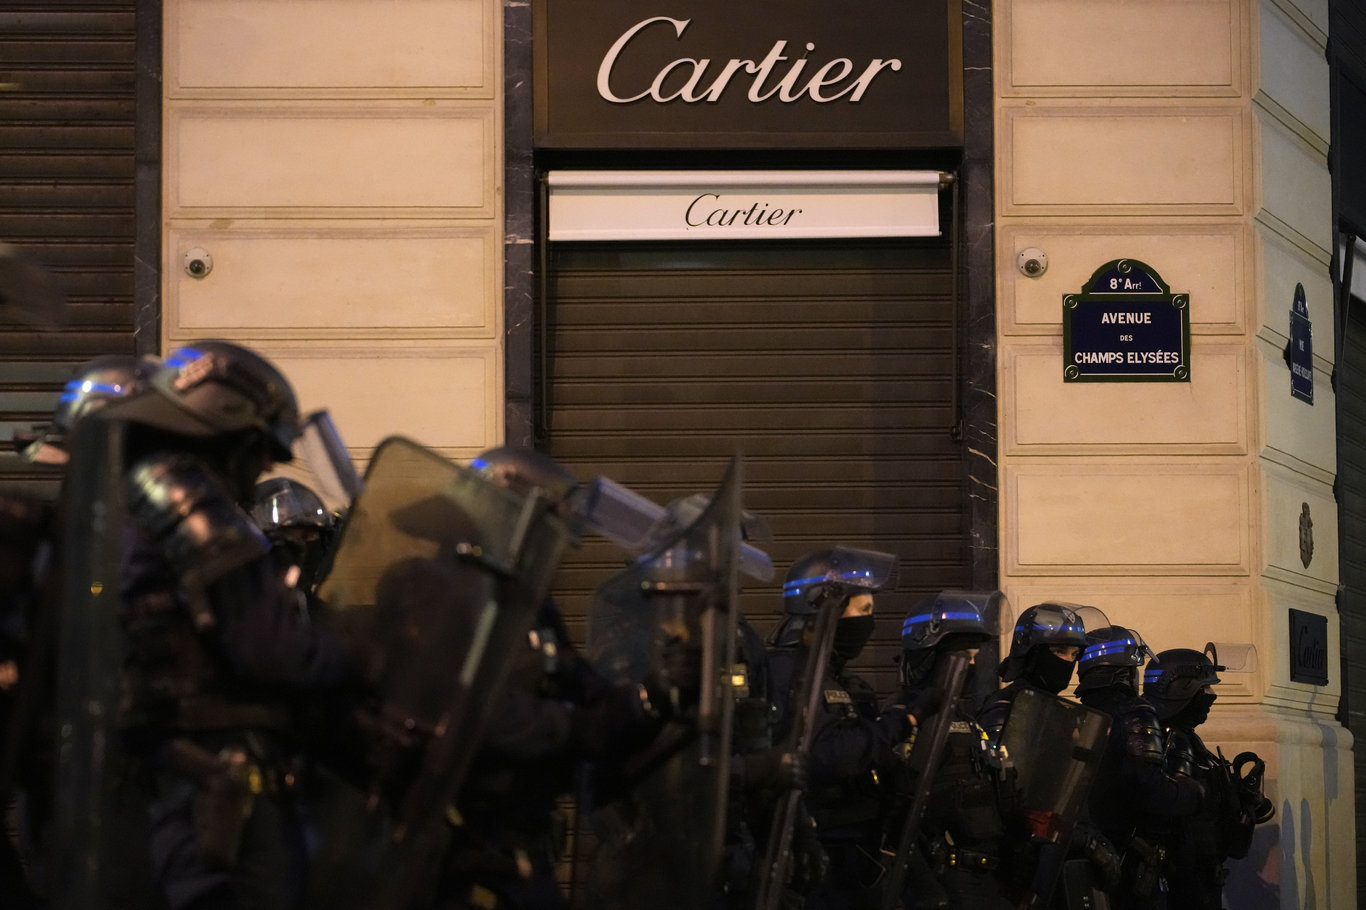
(946, 830)
(218, 654)
(852, 741)
(29, 555)
(1044, 650)
(1179, 684)
(96, 382)
(27, 536)
(298, 526)
(555, 713)
(1133, 800)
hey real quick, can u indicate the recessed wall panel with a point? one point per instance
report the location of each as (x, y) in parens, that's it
(1110, 161)
(1209, 265)
(1296, 186)
(1091, 47)
(273, 46)
(1045, 415)
(1306, 433)
(1135, 518)
(1294, 71)
(1281, 599)
(444, 397)
(1300, 526)
(331, 283)
(1283, 264)
(423, 160)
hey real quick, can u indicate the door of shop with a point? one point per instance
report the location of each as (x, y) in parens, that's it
(828, 365)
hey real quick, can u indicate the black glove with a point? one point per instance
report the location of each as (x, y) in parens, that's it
(680, 664)
(1103, 856)
(809, 859)
(925, 705)
(619, 722)
(774, 768)
(1250, 794)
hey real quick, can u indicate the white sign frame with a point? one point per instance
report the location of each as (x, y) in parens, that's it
(742, 205)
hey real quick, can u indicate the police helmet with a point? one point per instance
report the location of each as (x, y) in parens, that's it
(1177, 675)
(524, 470)
(953, 616)
(1112, 656)
(1042, 625)
(211, 387)
(96, 383)
(948, 620)
(836, 573)
(283, 503)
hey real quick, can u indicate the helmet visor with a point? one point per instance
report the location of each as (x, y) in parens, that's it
(288, 506)
(1054, 623)
(981, 614)
(851, 567)
(634, 523)
(321, 452)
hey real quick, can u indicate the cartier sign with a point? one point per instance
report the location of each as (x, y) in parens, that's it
(741, 205)
(748, 73)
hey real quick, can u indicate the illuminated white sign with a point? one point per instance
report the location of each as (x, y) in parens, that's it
(742, 205)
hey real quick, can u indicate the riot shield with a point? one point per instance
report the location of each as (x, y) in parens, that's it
(89, 643)
(928, 755)
(659, 818)
(1054, 747)
(437, 575)
(775, 870)
(875, 571)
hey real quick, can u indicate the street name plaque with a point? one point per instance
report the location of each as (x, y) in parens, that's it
(1126, 326)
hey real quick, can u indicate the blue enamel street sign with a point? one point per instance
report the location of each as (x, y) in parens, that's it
(1126, 326)
(1301, 349)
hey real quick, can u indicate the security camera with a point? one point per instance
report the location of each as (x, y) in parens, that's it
(198, 262)
(1033, 262)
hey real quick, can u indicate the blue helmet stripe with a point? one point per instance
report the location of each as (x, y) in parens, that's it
(796, 586)
(941, 615)
(182, 358)
(1100, 649)
(76, 387)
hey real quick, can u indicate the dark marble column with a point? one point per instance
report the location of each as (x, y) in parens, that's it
(979, 330)
(519, 229)
(147, 179)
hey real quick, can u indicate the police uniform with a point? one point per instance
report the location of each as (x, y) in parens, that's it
(556, 712)
(219, 657)
(1179, 684)
(1219, 830)
(962, 827)
(27, 649)
(1133, 801)
(850, 757)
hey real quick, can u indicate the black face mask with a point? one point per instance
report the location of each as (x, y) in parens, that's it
(1195, 713)
(851, 634)
(1048, 671)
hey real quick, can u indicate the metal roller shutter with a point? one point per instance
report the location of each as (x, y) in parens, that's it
(828, 365)
(1351, 493)
(67, 123)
